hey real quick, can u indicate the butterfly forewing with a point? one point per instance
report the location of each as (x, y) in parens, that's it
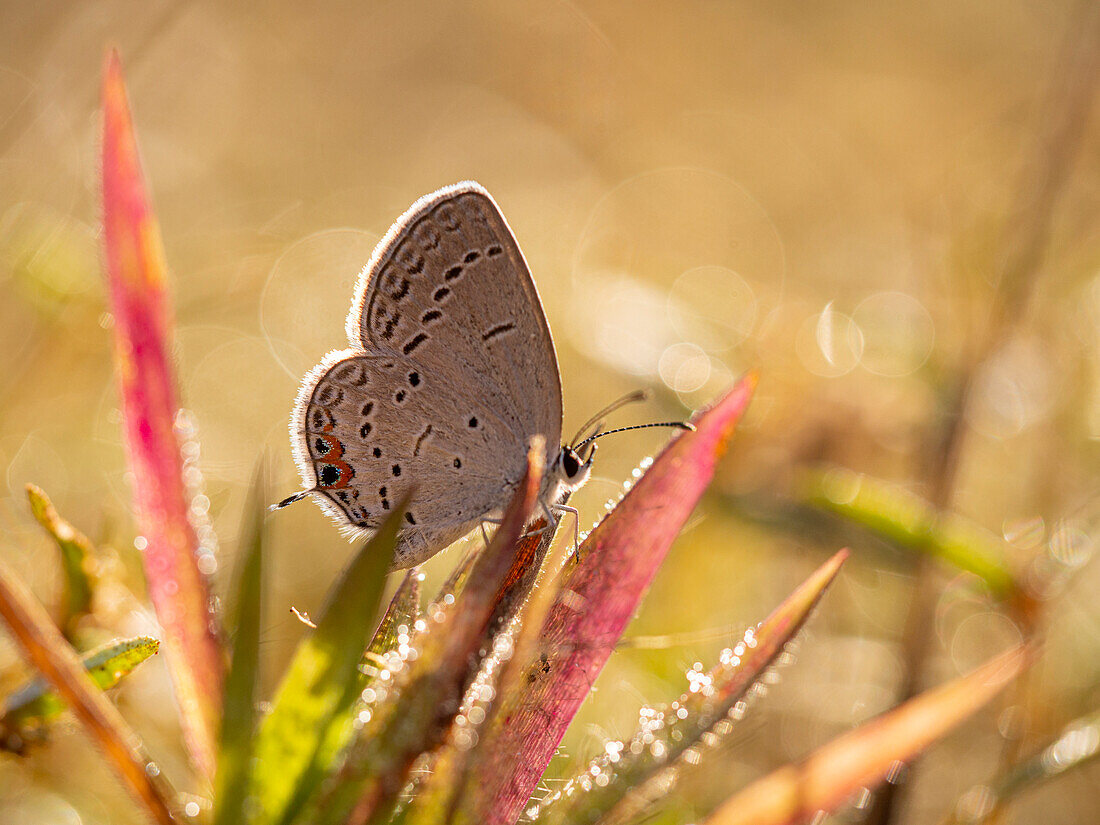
(452, 370)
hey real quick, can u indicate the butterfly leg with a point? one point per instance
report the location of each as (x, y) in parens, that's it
(564, 508)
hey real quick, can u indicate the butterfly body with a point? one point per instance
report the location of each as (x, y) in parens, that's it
(450, 373)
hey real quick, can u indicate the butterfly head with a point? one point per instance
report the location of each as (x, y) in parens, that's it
(571, 471)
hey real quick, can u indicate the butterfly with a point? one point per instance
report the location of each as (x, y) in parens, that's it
(450, 372)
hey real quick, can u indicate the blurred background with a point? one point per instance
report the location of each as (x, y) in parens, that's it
(874, 205)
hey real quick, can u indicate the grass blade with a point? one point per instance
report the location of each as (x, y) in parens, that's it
(1076, 746)
(403, 611)
(75, 549)
(598, 596)
(137, 276)
(909, 521)
(233, 777)
(340, 732)
(667, 734)
(58, 663)
(862, 757)
(322, 680)
(430, 695)
(35, 704)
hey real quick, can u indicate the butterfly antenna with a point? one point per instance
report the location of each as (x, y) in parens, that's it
(286, 502)
(680, 425)
(597, 419)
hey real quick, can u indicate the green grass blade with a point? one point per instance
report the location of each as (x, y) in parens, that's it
(35, 703)
(340, 732)
(322, 679)
(909, 521)
(233, 776)
(75, 550)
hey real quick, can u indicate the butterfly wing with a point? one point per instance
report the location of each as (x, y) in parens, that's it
(452, 370)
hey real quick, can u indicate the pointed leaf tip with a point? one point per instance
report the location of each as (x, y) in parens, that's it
(862, 757)
(600, 593)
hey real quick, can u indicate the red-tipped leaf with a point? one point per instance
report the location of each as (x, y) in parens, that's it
(598, 597)
(137, 276)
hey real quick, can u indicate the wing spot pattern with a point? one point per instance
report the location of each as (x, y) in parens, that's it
(414, 342)
(409, 518)
(472, 256)
(430, 315)
(420, 439)
(401, 291)
(330, 395)
(453, 274)
(391, 325)
(441, 293)
(364, 431)
(493, 251)
(321, 419)
(499, 329)
(447, 217)
(414, 379)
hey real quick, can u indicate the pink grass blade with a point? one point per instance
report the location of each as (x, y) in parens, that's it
(598, 597)
(137, 276)
(863, 757)
(48, 651)
(644, 769)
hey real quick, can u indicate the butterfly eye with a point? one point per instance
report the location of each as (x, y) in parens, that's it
(570, 462)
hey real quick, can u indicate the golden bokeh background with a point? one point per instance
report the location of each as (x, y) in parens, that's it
(822, 192)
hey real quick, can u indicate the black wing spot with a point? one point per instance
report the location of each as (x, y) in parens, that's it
(368, 408)
(322, 446)
(364, 431)
(414, 342)
(420, 439)
(493, 250)
(377, 452)
(472, 256)
(453, 273)
(385, 504)
(396, 470)
(414, 379)
(458, 463)
(499, 329)
(320, 417)
(399, 396)
(329, 475)
(409, 518)
(430, 315)
(441, 293)
(401, 291)
(473, 421)
(382, 492)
